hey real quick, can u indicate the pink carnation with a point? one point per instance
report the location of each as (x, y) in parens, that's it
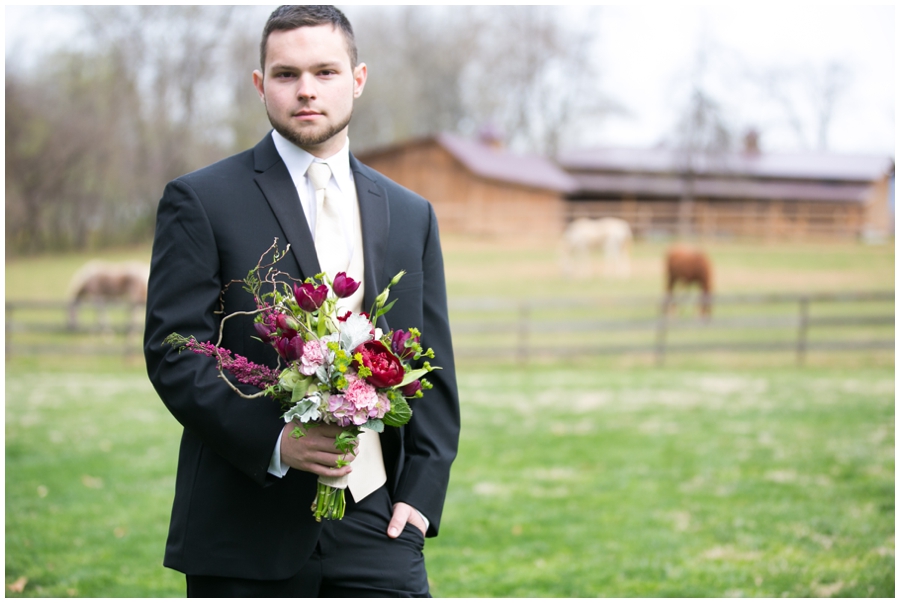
(360, 394)
(358, 403)
(315, 354)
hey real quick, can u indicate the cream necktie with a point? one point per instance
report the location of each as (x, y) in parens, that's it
(331, 246)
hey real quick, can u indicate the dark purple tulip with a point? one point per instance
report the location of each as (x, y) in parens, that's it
(409, 390)
(287, 326)
(398, 343)
(290, 348)
(264, 331)
(344, 286)
(310, 297)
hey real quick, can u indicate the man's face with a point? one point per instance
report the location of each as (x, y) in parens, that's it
(308, 87)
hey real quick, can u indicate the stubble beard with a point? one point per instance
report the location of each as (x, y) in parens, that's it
(308, 139)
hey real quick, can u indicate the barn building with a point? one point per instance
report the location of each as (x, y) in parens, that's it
(761, 195)
(480, 188)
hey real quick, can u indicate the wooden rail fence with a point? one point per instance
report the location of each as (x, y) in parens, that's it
(740, 323)
(531, 329)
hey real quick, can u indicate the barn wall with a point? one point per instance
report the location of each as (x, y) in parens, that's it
(878, 219)
(468, 204)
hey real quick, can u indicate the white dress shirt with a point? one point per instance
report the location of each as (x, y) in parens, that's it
(297, 161)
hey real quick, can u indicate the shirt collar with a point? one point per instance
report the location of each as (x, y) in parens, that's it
(297, 161)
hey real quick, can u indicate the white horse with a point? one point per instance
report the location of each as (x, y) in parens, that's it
(101, 282)
(584, 234)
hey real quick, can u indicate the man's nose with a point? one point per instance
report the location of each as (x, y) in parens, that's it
(306, 86)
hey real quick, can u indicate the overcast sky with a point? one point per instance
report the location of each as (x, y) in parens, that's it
(648, 53)
(649, 57)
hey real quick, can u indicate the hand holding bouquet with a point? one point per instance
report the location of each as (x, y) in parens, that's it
(339, 368)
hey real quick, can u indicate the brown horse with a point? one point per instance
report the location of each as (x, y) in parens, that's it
(689, 267)
(102, 282)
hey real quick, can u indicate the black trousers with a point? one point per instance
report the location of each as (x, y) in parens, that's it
(353, 558)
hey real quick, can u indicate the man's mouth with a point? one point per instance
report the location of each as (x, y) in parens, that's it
(306, 114)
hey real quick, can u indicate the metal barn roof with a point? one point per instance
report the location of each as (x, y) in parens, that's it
(499, 164)
(787, 166)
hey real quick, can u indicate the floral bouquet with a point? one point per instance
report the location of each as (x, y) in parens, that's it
(338, 369)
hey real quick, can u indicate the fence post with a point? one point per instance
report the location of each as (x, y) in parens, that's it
(522, 331)
(802, 330)
(9, 328)
(661, 327)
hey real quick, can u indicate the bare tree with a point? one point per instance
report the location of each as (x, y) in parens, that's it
(417, 59)
(146, 98)
(152, 92)
(536, 76)
(528, 71)
(60, 164)
(702, 137)
(808, 97)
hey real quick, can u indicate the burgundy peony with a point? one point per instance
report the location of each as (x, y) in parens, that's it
(309, 296)
(343, 285)
(398, 343)
(387, 371)
(290, 348)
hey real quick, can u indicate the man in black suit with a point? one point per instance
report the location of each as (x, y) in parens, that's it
(241, 523)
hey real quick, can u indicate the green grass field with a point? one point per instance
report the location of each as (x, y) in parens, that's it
(718, 475)
(569, 483)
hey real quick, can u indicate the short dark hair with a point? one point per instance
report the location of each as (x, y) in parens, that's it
(292, 16)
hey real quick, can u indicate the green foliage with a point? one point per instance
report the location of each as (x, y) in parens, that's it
(177, 341)
(347, 440)
(400, 412)
(376, 425)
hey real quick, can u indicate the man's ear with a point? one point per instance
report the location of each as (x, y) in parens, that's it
(360, 73)
(258, 84)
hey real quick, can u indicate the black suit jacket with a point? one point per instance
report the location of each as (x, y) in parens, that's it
(230, 517)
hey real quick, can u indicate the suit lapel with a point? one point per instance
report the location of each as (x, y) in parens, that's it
(276, 184)
(375, 219)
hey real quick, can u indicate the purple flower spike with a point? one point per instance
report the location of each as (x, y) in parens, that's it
(310, 297)
(344, 286)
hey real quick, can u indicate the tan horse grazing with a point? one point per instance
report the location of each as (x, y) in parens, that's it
(585, 234)
(689, 267)
(101, 283)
